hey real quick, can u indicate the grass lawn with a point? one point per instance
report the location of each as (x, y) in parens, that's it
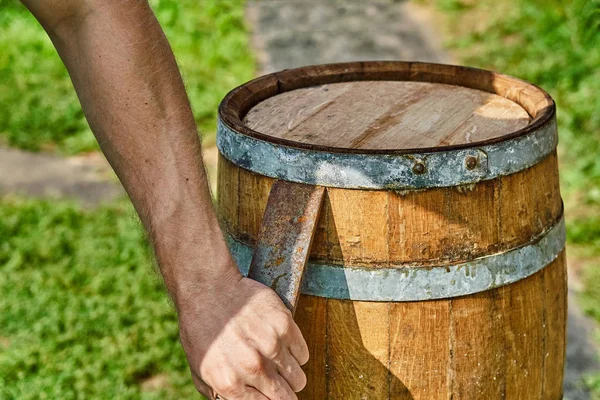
(83, 314)
(555, 44)
(208, 38)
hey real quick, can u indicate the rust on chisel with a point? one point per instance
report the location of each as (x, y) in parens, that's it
(285, 237)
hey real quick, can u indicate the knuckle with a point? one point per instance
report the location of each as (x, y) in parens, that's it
(255, 363)
(285, 324)
(227, 382)
(287, 312)
(229, 386)
(273, 349)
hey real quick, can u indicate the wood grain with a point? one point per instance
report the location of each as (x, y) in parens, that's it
(419, 350)
(377, 115)
(555, 320)
(279, 116)
(311, 317)
(527, 208)
(362, 238)
(522, 304)
(477, 342)
(228, 180)
(358, 355)
(492, 342)
(253, 196)
(326, 246)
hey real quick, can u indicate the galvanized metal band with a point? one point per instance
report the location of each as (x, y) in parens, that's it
(413, 283)
(386, 171)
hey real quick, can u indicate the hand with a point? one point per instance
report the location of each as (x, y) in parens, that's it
(242, 342)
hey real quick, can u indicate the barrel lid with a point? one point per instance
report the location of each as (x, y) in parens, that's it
(386, 125)
(386, 115)
(386, 107)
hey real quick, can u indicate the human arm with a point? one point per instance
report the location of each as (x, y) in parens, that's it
(240, 340)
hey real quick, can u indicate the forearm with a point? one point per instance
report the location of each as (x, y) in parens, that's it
(133, 97)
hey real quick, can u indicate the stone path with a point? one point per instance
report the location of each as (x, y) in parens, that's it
(86, 178)
(292, 33)
(582, 358)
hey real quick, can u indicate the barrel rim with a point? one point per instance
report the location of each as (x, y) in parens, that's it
(241, 99)
(386, 171)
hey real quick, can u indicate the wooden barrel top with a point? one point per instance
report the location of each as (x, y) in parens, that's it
(386, 115)
(386, 107)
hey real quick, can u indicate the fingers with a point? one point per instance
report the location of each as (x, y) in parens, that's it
(256, 355)
(290, 370)
(260, 386)
(252, 369)
(272, 385)
(290, 333)
(246, 393)
(297, 344)
(277, 351)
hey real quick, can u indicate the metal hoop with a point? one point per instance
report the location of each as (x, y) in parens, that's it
(414, 282)
(386, 171)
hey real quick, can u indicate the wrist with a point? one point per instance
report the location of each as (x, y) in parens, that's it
(191, 278)
(189, 292)
(193, 257)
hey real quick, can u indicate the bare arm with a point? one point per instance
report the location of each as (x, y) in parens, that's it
(239, 339)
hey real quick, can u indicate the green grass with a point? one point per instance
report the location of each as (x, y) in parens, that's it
(83, 314)
(555, 44)
(208, 37)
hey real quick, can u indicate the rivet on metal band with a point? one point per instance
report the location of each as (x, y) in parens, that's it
(386, 171)
(414, 283)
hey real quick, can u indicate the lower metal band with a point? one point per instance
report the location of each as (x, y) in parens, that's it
(413, 283)
(386, 171)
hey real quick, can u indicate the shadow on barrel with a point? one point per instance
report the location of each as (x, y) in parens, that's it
(345, 363)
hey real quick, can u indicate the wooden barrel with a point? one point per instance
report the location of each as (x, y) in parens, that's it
(437, 270)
